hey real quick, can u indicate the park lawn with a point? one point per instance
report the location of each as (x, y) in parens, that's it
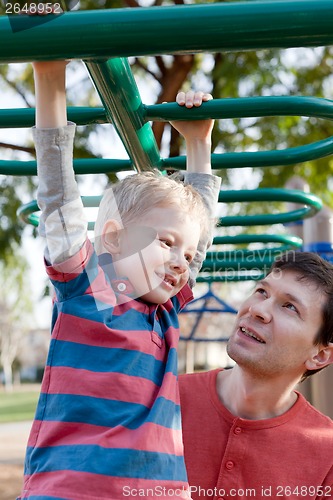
(18, 405)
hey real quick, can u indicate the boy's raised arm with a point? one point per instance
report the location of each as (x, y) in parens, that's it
(197, 135)
(62, 221)
(50, 90)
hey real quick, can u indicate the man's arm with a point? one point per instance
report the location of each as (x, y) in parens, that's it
(197, 135)
(62, 221)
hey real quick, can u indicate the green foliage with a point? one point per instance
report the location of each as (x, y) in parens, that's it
(10, 227)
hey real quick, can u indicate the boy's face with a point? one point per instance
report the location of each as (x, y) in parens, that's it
(159, 267)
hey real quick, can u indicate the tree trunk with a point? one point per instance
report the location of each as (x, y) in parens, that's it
(171, 82)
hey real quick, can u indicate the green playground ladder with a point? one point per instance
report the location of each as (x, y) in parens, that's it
(104, 39)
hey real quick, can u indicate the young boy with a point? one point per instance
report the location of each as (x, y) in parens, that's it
(108, 424)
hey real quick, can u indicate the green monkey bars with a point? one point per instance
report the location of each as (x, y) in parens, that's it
(214, 27)
(105, 38)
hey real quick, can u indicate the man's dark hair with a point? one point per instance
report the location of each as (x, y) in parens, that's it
(312, 268)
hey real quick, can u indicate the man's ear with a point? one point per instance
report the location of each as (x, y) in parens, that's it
(324, 357)
(111, 236)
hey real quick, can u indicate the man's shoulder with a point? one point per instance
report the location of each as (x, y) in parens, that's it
(198, 378)
(319, 419)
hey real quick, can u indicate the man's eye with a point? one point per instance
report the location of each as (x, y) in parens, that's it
(291, 306)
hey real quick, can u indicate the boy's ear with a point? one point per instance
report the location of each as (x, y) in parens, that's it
(111, 236)
(324, 357)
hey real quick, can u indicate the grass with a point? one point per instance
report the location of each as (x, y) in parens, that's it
(18, 405)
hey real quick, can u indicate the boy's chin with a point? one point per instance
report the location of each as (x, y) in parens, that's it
(158, 296)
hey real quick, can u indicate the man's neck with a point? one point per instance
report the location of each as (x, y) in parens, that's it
(253, 398)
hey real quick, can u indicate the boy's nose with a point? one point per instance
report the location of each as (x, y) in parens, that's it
(178, 262)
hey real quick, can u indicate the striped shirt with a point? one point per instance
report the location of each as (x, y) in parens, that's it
(108, 418)
(107, 424)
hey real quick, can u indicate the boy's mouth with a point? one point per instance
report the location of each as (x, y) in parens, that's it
(167, 278)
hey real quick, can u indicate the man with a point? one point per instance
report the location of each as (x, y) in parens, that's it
(247, 432)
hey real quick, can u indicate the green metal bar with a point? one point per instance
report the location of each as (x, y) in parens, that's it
(244, 107)
(194, 28)
(288, 156)
(25, 117)
(237, 239)
(138, 136)
(237, 264)
(82, 166)
(312, 204)
(120, 96)
(240, 107)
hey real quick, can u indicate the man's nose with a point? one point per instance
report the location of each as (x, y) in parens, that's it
(261, 311)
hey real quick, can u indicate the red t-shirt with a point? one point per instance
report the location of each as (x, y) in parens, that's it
(289, 456)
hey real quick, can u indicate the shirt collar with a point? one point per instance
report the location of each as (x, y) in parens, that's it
(119, 284)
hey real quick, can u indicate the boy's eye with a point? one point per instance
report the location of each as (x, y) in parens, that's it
(261, 291)
(167, 243)
(189, 258)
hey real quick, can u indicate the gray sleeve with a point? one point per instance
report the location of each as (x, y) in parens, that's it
(209, 187)
(62, 221)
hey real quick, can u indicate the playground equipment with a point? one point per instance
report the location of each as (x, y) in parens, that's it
(105, 38)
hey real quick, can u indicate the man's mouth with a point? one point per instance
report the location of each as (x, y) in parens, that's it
(250, 334)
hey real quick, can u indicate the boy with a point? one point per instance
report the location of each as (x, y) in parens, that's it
(108, 420)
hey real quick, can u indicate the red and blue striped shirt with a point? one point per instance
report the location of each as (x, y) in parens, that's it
(108, 420)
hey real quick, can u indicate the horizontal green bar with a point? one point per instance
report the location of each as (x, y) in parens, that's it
(312, 204)
(240, 107)
(289, 156)
(25, 117)
(236, 265)
(82, 166)
(102, 34)
(244, 107)
(146, 152)
(238, 239)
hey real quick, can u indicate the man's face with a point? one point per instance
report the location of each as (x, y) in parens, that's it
(161, 268)
(276, 327)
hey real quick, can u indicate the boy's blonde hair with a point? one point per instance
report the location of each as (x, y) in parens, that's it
(129, 200)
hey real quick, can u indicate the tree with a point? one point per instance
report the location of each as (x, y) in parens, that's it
(15, 310)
